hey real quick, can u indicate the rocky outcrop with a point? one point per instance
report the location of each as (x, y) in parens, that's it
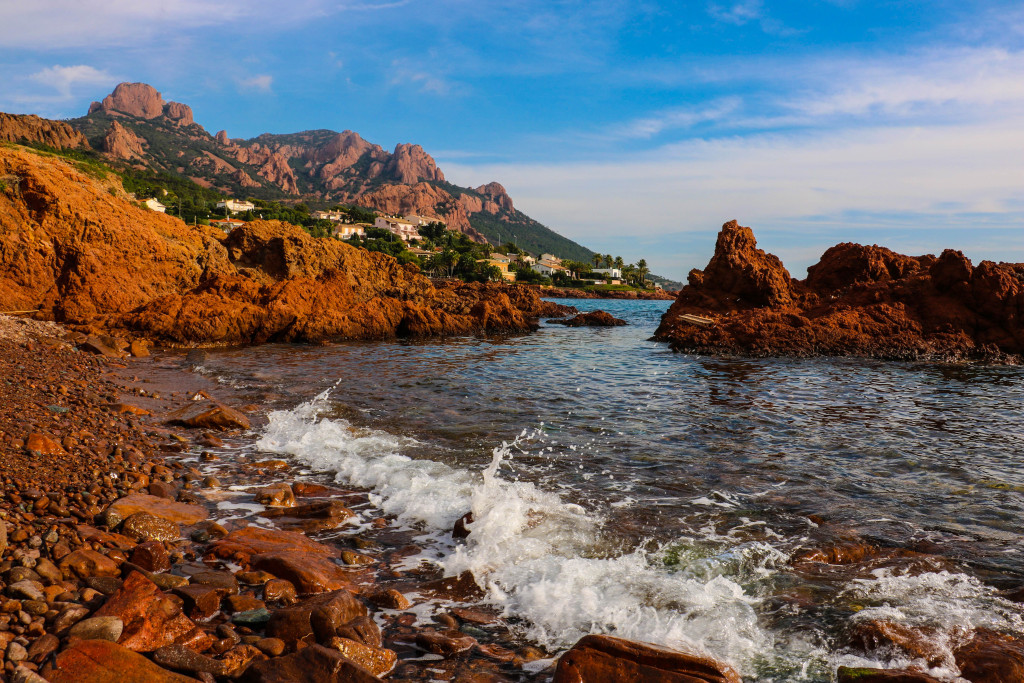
(423, 199)
(409, 164)
(497, 194)
(32, 129)
(592, 319)
(858, 300)
(270, 165)
(142, 101)
(81, 255)
(121, 143)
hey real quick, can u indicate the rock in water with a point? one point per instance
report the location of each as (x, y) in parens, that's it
(592, 319)
(605, 658)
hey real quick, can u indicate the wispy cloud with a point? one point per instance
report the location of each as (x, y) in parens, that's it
(423, 80)
(738, 13)
(259, 83)
(64, 79)
(682, 118)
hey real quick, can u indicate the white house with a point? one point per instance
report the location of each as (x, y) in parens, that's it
(420, 221)
(236, 206)
(527, 259)
(549, 268)
(345, 232)
(614, 273)
(154, 205)
(333, 216)
(399, 226)
(550, 258)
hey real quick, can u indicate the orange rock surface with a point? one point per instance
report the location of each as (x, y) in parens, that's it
(858, 300)
(72, 246)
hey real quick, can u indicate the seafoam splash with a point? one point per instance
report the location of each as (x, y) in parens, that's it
(538, 556)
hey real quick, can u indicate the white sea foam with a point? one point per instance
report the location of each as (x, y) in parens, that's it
(537, 555)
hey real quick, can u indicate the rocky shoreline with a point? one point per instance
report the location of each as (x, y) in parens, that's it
(857, 301)
(118, 560)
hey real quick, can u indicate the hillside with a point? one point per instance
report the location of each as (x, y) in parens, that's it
(135, 126)
(75, 249)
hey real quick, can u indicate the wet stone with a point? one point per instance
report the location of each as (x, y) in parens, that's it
(253, 618)
(143, 526)
(98, 628)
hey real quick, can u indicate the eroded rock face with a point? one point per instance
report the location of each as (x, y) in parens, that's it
(858, 300)
(121, 143)
(84, 256)
(409, 164)
(144, 102)
(31, 128)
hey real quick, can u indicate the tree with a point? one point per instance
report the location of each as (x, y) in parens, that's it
(642, 271)
(619, 262)
(608, 260)
(597, 258)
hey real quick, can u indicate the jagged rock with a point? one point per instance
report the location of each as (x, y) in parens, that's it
(151, 618)
(121, 143)
(409, 164)
(857, 300)
(32, 129)
(376, 660)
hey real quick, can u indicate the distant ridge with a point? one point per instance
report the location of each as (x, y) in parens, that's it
(134, 125)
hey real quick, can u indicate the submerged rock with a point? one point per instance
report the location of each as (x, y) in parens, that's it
(592, 319)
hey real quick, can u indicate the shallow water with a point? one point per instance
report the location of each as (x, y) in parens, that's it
(619, 487)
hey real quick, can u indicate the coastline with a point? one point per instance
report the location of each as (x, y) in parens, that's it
(110, 445)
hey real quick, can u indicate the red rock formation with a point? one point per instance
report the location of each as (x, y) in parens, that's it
(271, 165)
(409, 164)
(70, 247)
(134, 99)
(857, 300)
(423, 199)
(30, 128)
(144, 102)
(121, 143)
(496, 192)
(606, 658)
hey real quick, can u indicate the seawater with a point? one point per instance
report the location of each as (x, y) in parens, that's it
(617, 487)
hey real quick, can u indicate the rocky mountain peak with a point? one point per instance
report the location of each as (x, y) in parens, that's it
(496, 193)
(410, 164)
(142, 101)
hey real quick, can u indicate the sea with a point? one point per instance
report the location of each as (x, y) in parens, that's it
(617, 487)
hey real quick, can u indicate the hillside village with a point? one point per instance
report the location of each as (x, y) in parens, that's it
(440, 252)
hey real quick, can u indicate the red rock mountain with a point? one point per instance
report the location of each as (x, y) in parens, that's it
(32, 129)
(134, 125)
(858, 300)
(72, 246)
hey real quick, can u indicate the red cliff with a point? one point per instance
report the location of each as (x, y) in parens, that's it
(32, 129)
(857, 300)
(74, 248)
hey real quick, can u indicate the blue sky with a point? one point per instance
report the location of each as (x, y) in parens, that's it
(636, 128)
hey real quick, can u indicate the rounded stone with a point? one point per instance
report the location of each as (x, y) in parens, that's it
(98, 628)
(143, 526)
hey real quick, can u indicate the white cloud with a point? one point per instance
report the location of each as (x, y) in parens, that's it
(260, 83)
(807, 181)
(739, 13)
(687, 117)
(64, 79)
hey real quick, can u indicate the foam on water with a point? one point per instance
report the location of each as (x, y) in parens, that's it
(538, 556)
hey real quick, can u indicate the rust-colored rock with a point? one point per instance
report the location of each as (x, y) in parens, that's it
(591, 319)
(100, 661)
(309, 573)
(606, 658)
(254, 540)
(858, 300)
(121, 143)
(314, 664)
(84, 563)
(991, 657)
(322, 615)
(180, 513)
(151, 618)
(32, 129)
(43, 444)
(378, 661)
(847, 674)
(206, 414)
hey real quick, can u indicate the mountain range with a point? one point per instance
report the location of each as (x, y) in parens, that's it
(135, 126)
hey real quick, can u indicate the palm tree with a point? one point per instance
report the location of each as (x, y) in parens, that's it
(619, 262)
(597, 258)
(608, 260)
(642, 271)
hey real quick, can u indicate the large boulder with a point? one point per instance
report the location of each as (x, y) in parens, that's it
(313, 664)
(101, 661)
(606, 659)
